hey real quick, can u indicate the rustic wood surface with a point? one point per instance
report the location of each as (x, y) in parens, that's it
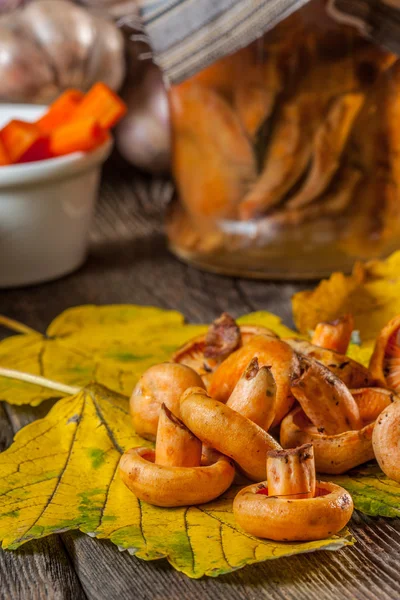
(129, 263)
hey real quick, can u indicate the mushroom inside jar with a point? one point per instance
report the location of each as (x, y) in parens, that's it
(288, 179)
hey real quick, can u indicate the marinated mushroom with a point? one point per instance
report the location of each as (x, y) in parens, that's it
(334, 335)
(288, 156)
(291, 505)
(334, 202)
(256, 90)
(324, 398)
(172, 475)
(224, 164)
(163, 383)
(254, 395)
(229, 432)
(328, 145)
(386, 440)
(385, 360)
(352, 373)
(338, 453)
(269, 351)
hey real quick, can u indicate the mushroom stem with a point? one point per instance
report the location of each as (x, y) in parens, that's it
(334, 335)
(229, 432)
(176, 446)
(291, 473)
(254, 395)
(325, 399)
(269, 351)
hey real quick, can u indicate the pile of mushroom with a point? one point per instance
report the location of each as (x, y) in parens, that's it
(226, 398)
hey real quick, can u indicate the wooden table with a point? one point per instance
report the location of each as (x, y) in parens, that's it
(129, 263)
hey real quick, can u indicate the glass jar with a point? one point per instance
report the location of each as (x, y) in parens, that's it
(286, 154)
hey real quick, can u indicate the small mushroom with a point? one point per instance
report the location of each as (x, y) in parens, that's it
(172, 475)
(329, 142)
(198, 353)
(163, 383)
(254, 395)
(385, 360)
(324, 398)
(334, 335)
(386, 440)
(257, 89)
(338, 453)
(333, 203)
(291, 505)
(176, 446)
(289, 153)
(229, 432)
(352, 373)
(269, 351)
(225, 163)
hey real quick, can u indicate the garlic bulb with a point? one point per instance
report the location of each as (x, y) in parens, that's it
(25, 74)
(8, 5)
(52, 45)
(143, 136)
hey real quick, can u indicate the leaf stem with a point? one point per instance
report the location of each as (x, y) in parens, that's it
(38, 380)
(15, 325)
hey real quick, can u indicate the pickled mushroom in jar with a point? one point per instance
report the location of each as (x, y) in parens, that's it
(213, 159)
(287, 152)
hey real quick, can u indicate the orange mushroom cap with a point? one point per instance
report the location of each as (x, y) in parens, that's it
(284, 519)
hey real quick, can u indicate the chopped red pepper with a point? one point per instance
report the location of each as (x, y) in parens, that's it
(101, 104)
(4, 159)
(60, 111)
(81, 135)
(75, 122)
(23, 142)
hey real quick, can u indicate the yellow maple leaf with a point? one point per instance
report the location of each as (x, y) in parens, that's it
(61, 473)
(111, 345)
(371, 294)
(373, 493)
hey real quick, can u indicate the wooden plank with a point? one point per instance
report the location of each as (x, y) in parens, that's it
(366, 572)
(129, 262)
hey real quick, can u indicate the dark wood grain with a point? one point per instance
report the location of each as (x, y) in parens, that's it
(129, 262)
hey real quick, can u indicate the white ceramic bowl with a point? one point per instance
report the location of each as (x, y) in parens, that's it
(46, 209)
